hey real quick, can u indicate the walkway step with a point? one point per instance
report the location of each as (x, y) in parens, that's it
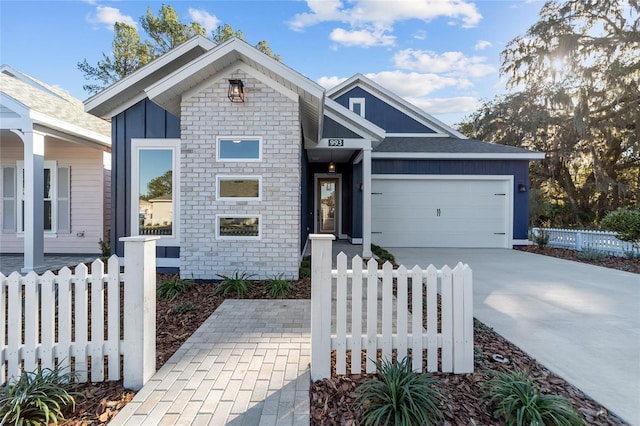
(248, 364)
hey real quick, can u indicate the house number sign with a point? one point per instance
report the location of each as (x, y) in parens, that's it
(336, 142)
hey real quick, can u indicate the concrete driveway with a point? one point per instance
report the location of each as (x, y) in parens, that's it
(580, 321)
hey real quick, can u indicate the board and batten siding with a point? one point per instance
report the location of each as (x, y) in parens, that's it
(87, 198)
(142, 120)
(519, 169)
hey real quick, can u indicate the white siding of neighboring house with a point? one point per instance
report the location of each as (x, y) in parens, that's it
(87, 196)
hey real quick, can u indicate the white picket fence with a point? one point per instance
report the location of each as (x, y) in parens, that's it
(368, 317)
(576, 239)
(73, 320)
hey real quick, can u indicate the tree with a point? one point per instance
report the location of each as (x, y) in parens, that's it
(626, 222)
(160, 186)
(163, 32)
(575, 82)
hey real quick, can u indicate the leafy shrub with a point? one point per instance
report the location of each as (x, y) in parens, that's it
(520, 402)
(541, 238)
(172, 287)
(590, 253)
(37, 398)
(399, 396)
(182, 308)
(383, 254)
(278, 287)
(630, 254)
(105, 247)
(625, 221)
(305, 267)
(237, 283)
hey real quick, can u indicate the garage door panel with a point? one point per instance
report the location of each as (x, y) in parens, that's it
(440, 212)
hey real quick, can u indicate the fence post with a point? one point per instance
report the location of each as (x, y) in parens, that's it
(139, 310)
(578, 241)
(321, 305)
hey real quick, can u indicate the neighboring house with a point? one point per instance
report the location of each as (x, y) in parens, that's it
(261, 156)
(55, 162)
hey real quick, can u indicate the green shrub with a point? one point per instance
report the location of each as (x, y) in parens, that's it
(625, 221)
(399, 396)
(590, 253)
(182, 308)
(541, 238)
(519, 401)
(278, 287)
(383, 254)
(172, 287)
(305, 267)
(630, 254)
(237, 283)
(37, 398)
(105, 247)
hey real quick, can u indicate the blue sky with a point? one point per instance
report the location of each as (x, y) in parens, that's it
(442, 55)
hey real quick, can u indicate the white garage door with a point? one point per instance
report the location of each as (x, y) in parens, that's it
(440, 212)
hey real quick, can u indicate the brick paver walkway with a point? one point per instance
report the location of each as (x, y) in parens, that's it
(248, 364)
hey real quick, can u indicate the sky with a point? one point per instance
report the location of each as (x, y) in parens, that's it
(441, 55)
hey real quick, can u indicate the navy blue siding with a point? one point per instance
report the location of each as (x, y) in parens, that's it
(382, 114)
(356, 201)
(333, 129)
(143, 120)
(519, 169)
(306, 200)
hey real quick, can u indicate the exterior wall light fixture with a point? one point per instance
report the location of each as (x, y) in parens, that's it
(236, 91)
(332, 165)
(522, 187)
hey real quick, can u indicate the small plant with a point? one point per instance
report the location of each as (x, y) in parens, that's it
(305, 267)
(630, 254)
(278, 287)
(183, 308)
(383, 254)
(105, 246)
(541, 238)
(625, 221)
(399, 396)
(237, 283)
(520, 402)
(37, 398)
(590, 253)
(172, 287)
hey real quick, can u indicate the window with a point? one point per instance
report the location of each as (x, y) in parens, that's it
(239, 149)
(238, 227)
(155, 189)
(238, 187)
(357, 105)
(57, 198)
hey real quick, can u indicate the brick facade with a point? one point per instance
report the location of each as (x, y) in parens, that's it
(274, 117)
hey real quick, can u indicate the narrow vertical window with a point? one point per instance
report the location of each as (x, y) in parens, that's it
(9, 216)
(357, 105)
(64, 200)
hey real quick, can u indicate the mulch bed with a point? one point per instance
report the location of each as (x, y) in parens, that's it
(332, 399)
(613, 262)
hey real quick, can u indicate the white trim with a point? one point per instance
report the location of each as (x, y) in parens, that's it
(459, 156)
(352, 121)
(357, 101)
(415, 135)
(520, 242)
(241, 139)
(238, 177)
(52, 165)
(355, 240)
(316, 178)
(65, 127)
(366, 203)
(236, 216)
(138, 144)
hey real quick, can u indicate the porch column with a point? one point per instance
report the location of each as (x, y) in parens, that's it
(33, 210)
(366, 202)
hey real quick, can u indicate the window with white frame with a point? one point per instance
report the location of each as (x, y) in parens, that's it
(155, 189)
(238, 227)
(57, 198)
(357, 105)
(238, 188)
(238, 149)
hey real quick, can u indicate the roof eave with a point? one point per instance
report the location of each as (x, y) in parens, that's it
(458, 156)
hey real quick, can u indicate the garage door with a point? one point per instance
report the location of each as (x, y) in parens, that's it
(440, 212)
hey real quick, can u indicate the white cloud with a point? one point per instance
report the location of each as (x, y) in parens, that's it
(449, 63)
(482, 44)
(455, 105)
(363, 38)
(330, 82)
(108, 16)
(361, 15)
(420, 35)
(204, 18)
(412, 84)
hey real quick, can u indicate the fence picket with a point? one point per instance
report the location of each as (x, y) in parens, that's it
(97, 321)
(113, 318)
(446, 308)
(577, 239)
(341, 315)
(458, 324)
(387, 311)
(47, 318)
(432, 318)
(81, 322)
(468, 319)
(372, 315)
(356, 316)
(63, 348)
(31, 321)
(14, 325)
(402, 306)
(3, 315)
(416, 316)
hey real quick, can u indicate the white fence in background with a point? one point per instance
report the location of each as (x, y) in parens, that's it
(576, 239)
(369, 318)
(73, 320)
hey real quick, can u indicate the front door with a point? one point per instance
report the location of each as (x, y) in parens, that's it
(327, 203)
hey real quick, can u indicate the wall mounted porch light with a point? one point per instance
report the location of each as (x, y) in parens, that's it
(236, 91)
(522, 187)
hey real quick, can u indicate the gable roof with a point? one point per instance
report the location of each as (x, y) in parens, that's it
(394, 100)
(352, 121)
(130, 90)
(51, 108)
(167, 92)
